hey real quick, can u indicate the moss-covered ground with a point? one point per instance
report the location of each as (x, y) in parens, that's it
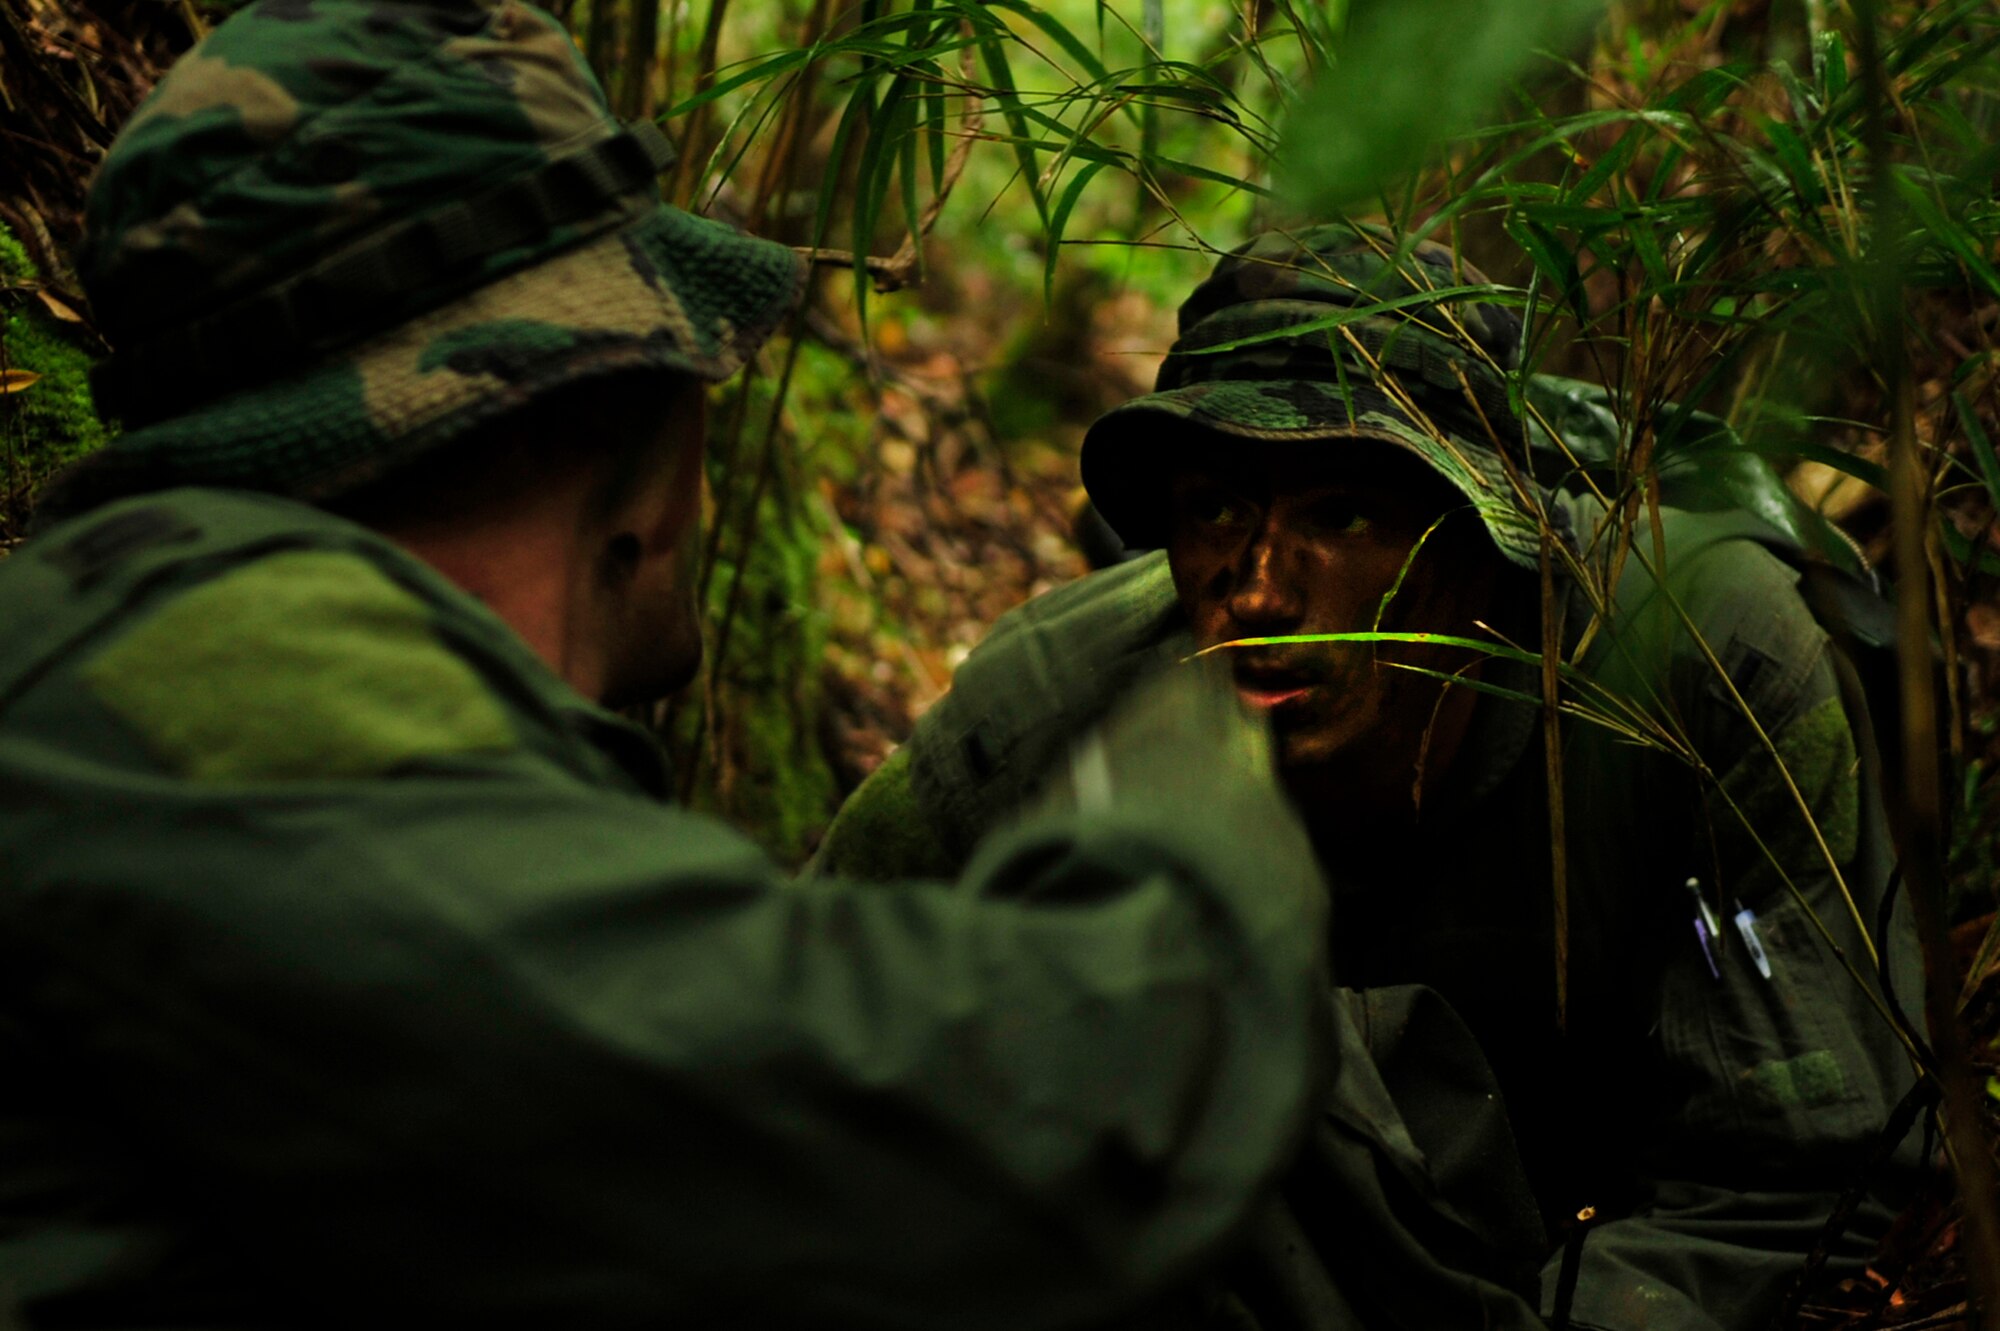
(49, 421)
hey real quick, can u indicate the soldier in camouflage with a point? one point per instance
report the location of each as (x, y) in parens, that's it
(356, 969)
(1693, 1052)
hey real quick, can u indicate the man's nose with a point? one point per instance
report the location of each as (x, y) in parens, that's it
(1265, 595)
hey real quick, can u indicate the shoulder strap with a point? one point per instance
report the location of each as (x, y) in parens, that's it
(1848, 604)
(1704, 468)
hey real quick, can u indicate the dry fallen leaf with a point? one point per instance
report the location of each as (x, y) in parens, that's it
(60, 308)
(1984, 623)
(13, 381)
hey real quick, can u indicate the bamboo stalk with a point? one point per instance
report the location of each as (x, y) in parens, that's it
(1919, 812)
(642, 49)
(688, 169)
(600, 39)
(1921, 820)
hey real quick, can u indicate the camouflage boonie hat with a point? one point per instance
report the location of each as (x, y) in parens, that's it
(341, 232)
(1272, 348)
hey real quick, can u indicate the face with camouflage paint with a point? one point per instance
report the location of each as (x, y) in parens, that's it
(1275, 541)
(1257, 359)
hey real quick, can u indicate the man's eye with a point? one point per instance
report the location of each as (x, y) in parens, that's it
(1339, 515)
(1214, 508)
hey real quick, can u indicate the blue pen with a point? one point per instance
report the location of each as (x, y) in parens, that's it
(1746, 924)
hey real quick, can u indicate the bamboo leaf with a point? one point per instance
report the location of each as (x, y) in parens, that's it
(1073, 46)
(907, 179)
(1476, 685)
(1944, 230)
(1154, 33)
(1014, 111)
(1490, 648)
(854, 115)
(889, 123)
(1982, 446)
(935, 132)
(1861, 469)
(14, 381)
(1556, 263)
(755, 71)
(1830, 66)
(1348, 314)
(1059, 220)
(1960, 548)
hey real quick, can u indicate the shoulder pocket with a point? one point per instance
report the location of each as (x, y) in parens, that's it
(305, 664)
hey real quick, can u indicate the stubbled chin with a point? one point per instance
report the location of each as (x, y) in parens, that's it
(683, 674)
(664, 675)
(1305, 742)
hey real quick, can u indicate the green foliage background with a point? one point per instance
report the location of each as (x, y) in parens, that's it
(1694, 202)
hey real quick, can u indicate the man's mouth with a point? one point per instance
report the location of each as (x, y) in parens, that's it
(1268, 688)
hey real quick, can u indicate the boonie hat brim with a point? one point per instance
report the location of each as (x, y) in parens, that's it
(1122, 472)
(672, 292)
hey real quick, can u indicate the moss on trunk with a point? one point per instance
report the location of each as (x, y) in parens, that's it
(50, 421)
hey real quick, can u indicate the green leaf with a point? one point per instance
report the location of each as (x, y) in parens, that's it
(1982, 446)
(754, 71)
(1072, 45)
(1945, 230)
(1960, 549)
(1153, 31)
(1830, 66)
(1795, 160)
(907, 178)
(1803, 101)
(1861, 469)
(871, 182)
(1059, 219)
(1349, 314)
(1015, 112)
(1486, 646)
(1554, 261)
(1407, 77)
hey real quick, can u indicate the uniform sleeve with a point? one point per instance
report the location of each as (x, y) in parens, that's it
(1773, 1088)
(480, 1041)
(884, 832)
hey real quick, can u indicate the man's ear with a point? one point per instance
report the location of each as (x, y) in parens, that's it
(620, 558)
(648, 492)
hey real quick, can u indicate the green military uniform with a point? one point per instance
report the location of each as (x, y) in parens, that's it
(1712, 1117)
(357, 971)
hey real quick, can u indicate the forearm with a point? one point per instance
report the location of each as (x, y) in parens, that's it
(500, 1042)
